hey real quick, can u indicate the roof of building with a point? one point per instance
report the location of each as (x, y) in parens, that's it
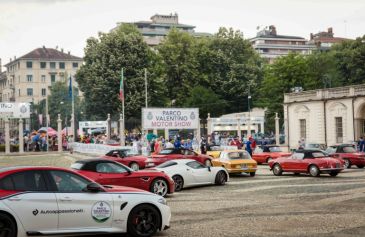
(278, 37)
(150, 23)
(47, 54)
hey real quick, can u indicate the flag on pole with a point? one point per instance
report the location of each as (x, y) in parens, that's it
(70, 89)
(121, 87)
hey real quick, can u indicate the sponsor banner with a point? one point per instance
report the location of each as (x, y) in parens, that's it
(101, 149)
(170, 118)
(14, 110)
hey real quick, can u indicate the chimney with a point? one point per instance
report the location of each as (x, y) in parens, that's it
(330, 31)
(68, 52)
(311, 36)
(44, 47)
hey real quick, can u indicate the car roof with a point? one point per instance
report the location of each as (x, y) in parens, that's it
(83, 161)
(13, 169)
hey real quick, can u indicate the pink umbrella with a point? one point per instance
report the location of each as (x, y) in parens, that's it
(51, 131)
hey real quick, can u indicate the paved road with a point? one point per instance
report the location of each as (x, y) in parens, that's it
(264, 205)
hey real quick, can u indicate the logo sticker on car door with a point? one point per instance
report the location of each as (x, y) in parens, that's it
(101, 211)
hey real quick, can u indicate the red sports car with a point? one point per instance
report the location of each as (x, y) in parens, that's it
(313, 162)
(108, 172)
(269, 153)
(181, 153)
(348, 153)
(130, 159)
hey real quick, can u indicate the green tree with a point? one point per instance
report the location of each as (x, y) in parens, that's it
(99, 77)
(349, 57)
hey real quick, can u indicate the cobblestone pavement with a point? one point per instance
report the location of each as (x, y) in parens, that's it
(264, 205)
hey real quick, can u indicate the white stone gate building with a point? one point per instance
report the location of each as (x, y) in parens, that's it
(327, 116)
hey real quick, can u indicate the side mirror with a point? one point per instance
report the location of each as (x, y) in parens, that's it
(93, 188)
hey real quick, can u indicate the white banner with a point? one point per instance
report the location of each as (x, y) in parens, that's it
(170, 118)
(15, 110)
(101, 149)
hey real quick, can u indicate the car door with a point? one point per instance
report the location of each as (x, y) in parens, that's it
(35, 206)
(80, 210)
(200, 172)
(113, 174)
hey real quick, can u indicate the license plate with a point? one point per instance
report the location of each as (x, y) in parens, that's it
(244, 166)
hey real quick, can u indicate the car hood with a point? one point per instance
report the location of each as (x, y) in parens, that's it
(122, 189)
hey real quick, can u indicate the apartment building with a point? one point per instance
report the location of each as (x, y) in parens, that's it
(271, 45)
(29, 78)
(156, 30)
(325, 39)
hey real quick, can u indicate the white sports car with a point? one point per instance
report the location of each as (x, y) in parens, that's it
(189, 173)
(45, 201)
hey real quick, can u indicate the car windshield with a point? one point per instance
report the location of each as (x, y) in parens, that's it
(274, 149)
(318, 154)
(77, 166)
(238, 156)
(331, 150)
(131, 153)
(349, 149)
(166, 152)
(167, 164)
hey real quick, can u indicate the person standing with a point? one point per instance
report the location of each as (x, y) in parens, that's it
(203, 146)
(157, 147)
(249, 147)
(169, 145)
(362, 144)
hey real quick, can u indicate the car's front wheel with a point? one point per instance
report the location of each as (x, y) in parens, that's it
(159, 187)
(7, 226)
(347, 163)
(143, 221)
(221, 178)
(252, 174)
(134, 166)
(179, 182)
(277, 170)
(314, 171)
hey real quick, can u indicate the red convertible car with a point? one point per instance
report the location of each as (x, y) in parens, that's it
(181, 153)
(348, 154)
(108, 172)
(269, 153)
(313, 162)
(130, 159)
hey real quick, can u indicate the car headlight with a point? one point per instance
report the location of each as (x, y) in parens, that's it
(162, 201)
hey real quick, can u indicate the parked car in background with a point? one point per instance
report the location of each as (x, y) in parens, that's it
(189, 173)
(348, 153)
(180, 153)
(107, 172)
(130, 158)
(49, 201)
(267, 153)
(315, 146)
(313, 162)
(236, 162)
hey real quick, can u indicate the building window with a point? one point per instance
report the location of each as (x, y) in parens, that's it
(29, 91)
(75, 65)
(43, 78)
(29, 64)
(29, 78)
(44, 93)
(43, 64)
(62, 65)
(19, 92)
(53, 78)
(339, 129)
(303, 128)
(52, 65)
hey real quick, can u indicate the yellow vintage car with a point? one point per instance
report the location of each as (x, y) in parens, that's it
(214, 151)
(236, 162)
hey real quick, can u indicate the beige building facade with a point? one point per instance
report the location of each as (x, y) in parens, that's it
(29, 78)
(328, 116)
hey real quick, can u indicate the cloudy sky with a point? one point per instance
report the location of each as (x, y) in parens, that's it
(28, 24)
